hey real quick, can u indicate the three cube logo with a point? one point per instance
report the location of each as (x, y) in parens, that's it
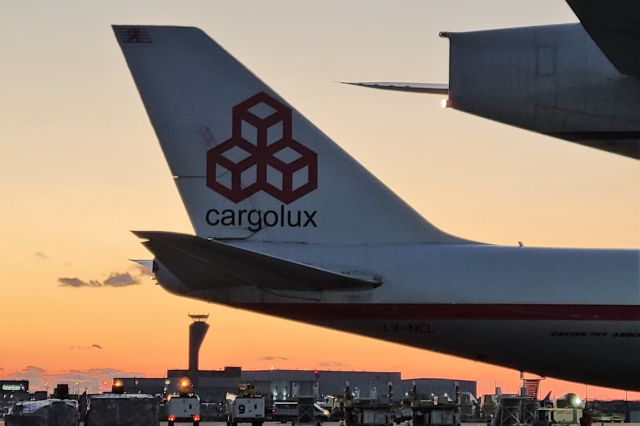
(261, 155)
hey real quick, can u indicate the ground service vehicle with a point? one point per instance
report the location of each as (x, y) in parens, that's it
(245, 407)
(284, 411)
(185, 406)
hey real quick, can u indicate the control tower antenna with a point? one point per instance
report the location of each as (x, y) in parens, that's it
(199, 317)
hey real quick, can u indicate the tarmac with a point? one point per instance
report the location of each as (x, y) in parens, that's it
(224, 424)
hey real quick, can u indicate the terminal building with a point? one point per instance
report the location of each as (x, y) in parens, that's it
(428, 387)
(11, 387)
(12, 391)
(283, 385)
(212, 385)
(286, 384)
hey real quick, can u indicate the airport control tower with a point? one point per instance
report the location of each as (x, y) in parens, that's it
(197, 331)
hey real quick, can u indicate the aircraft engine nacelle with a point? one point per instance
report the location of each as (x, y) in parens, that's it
(549, 79)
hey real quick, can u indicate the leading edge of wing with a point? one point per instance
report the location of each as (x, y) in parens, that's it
(204, 263)
(428, 88)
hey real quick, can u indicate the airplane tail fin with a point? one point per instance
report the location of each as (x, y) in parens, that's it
(249, 166)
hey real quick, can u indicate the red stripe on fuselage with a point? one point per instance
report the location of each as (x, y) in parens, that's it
(413, 311)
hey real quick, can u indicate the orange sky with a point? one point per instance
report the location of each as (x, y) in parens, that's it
(80, 167)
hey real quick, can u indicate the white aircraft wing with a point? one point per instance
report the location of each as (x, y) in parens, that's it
(568, 81)
(430, 88)
(209, 264)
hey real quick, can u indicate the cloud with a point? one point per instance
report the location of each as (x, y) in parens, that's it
(273, 358)
(77, 282)
(86, 348)
(120, 280)
(115, 279)
(29, 372)
(332, 364)
(42, 256)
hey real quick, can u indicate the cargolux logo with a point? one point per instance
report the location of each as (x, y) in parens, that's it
(261, 155)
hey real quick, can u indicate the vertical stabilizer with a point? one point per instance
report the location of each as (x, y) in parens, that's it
(247, 164)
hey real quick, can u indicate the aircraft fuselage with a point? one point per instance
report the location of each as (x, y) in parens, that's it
(567, 313)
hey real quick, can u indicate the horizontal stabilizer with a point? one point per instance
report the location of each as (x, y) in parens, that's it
(206, 264)
(430, 88)
(614, 25)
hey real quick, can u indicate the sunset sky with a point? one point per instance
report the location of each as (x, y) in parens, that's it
(80, 167)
